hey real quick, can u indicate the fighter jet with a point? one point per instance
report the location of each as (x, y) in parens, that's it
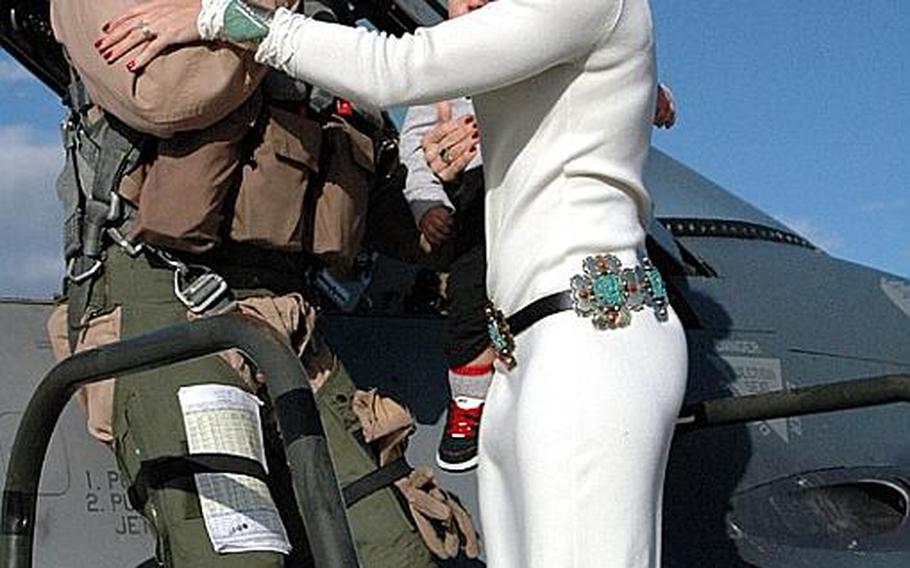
(790, 450)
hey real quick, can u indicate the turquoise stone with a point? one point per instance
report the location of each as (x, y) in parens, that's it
(609, 289)
(657, 284)
(499, 342)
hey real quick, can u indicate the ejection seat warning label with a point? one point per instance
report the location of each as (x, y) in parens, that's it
(238, 510)
(106, 494)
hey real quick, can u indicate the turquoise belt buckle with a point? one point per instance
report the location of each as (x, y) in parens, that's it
(501, 337)
(608, 293)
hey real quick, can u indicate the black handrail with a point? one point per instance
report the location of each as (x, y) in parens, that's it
(857, 393)
(315, 485)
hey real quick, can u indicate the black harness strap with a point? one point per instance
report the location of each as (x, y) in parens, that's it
(375, 480)
(176, 472)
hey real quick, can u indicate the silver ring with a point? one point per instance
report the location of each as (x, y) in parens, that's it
(145, 29)
(446, 155)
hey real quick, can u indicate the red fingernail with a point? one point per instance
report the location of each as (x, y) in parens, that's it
(469, 120)
(130, 65)
(107, 54)
(476, 135)
(106, 26)
(98, 42)
(474, 147)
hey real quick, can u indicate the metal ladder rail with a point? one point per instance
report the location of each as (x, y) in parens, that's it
(315, 484)
(845, 395)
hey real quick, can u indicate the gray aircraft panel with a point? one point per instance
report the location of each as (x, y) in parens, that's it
(820, 305)
(679, 191)
(83, 517)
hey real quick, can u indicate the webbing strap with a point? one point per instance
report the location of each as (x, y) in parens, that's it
(176, 472)
(69, 192)
(119, 153)
(375, 480)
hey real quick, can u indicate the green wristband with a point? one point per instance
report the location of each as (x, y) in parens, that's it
(245, 23)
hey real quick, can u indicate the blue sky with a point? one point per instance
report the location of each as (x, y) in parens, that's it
(801, 108)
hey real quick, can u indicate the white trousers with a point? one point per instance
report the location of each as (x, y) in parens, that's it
(574, 444)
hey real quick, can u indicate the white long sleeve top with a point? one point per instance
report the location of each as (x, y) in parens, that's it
(565, 94)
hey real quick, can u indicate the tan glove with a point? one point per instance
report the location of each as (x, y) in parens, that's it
(386, 424)
(442, 522)
(294, 319)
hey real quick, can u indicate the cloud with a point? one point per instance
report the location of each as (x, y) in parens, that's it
(820, 236)
(25, 163)
(30, 215)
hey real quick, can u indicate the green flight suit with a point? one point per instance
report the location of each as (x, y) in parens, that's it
(148, 423)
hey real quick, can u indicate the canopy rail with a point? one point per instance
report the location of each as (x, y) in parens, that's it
(315, 484)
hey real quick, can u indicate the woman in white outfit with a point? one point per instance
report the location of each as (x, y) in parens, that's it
(576, 434)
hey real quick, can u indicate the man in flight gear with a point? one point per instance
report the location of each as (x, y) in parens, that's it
(191, 194)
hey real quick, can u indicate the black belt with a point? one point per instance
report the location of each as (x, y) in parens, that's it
(502, 330)
(605, 291)
(539, 309)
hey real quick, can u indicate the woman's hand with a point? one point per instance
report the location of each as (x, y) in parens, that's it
(146, 30)
(665, 113)
(451, 145)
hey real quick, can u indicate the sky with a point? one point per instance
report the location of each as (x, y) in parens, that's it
(801, 108)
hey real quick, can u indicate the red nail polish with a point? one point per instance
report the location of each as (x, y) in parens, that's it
(473, 148)
(130, 65)
(106, 26)
(107, 54)
(98, 42)
(469, 120)
(476, 135)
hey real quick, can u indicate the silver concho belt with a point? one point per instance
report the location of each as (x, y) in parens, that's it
(604, 291)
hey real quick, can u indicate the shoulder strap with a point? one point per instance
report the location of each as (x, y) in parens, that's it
(100, 150)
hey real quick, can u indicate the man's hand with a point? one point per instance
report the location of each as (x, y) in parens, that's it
(451, 145)
(665, 113)
(437, 225)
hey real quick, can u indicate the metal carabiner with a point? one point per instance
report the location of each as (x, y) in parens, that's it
(85, 275)
(200, 293)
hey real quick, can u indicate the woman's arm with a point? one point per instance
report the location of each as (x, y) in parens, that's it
(498, 45)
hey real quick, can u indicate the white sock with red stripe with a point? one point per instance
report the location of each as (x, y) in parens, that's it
(469, 384)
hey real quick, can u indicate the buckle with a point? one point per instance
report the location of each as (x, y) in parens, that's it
(500, 336)
(85, 274)
(132, 249)
(608, 293)
(201, 292)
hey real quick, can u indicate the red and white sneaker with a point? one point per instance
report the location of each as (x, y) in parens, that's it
(458, 448)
